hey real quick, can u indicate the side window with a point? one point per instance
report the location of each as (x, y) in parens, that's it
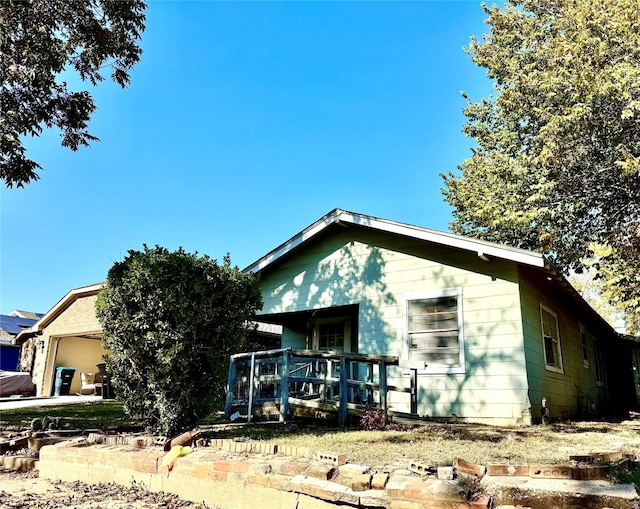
(551, 340)
(434, 331)
(584, 342)
(598, 363)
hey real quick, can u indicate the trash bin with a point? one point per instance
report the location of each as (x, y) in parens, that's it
(107, 390)
(64, 376)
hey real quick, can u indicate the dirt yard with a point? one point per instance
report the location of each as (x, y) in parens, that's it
(24, 490)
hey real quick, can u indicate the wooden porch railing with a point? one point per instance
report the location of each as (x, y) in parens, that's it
(270, 382)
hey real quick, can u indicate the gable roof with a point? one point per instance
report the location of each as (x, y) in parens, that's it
(58, 308)
(26, 314)
(482, 248)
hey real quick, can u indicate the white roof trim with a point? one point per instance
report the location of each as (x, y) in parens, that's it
(337, 216)
(62, 304)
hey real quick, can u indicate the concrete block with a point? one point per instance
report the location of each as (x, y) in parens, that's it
(422, 468)
(336, 460)
(550, 472)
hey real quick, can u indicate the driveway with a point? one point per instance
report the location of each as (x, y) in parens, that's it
(13, 403)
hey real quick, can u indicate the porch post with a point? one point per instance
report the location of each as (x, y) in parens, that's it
(382, 375)
(251, 388)
(284, 386)
(343, 410)
(231, 386)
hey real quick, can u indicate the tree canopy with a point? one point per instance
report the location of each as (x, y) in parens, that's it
(40, 39)
(170, 321)
(556, 166)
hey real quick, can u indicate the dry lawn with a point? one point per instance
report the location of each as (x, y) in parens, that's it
(438, 444)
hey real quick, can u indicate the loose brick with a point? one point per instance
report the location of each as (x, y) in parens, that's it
(466, 467)
(507, 470)
(292, 468)
(361, 482)
(321, 471)
(373, 498)
(379, 481)
(550, 472)
(396, 489)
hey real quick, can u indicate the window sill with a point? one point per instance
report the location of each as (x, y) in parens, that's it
(554, 369)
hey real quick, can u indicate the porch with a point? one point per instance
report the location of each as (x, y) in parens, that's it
(284, 383)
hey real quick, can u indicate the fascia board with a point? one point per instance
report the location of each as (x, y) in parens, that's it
(447, 239)
(63, 303)
(481, 247)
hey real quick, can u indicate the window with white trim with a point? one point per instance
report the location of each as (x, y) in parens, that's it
(551, 340)
(434, 331)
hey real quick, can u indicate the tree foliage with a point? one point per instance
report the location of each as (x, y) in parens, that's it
(40, 39)
(170, 321)
(556, 167)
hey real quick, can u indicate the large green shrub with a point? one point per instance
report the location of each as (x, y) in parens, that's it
(171, 320)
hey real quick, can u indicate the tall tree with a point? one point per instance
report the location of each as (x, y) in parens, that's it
(170, 321)
(556, 167)
(39, 39)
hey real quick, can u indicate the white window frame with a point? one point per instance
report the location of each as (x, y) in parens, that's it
(551, 367)
(431, 294)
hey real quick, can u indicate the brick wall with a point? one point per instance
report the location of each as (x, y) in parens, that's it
(233, 481)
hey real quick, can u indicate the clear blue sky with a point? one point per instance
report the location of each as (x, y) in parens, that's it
(244, 123)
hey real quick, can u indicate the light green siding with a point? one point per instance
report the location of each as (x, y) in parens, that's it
(377, 272)
(571, 392)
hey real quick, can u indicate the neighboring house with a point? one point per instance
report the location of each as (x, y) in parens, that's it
(495, 330)
(10, 326)
(67, 335)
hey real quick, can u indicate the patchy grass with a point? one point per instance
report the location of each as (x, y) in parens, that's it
(433, 443)
(438, 444)
(103, 414)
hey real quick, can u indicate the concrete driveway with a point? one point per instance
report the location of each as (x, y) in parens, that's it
(13, 403)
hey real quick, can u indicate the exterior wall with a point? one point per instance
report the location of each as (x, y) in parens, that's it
(376, 272)
(78, 318)
(574, 391)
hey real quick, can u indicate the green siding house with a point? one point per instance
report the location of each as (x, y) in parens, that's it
(495, 333)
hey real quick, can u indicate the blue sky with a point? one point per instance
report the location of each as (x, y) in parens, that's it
(244, 123)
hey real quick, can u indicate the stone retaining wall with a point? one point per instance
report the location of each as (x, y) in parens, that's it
(240, 481)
